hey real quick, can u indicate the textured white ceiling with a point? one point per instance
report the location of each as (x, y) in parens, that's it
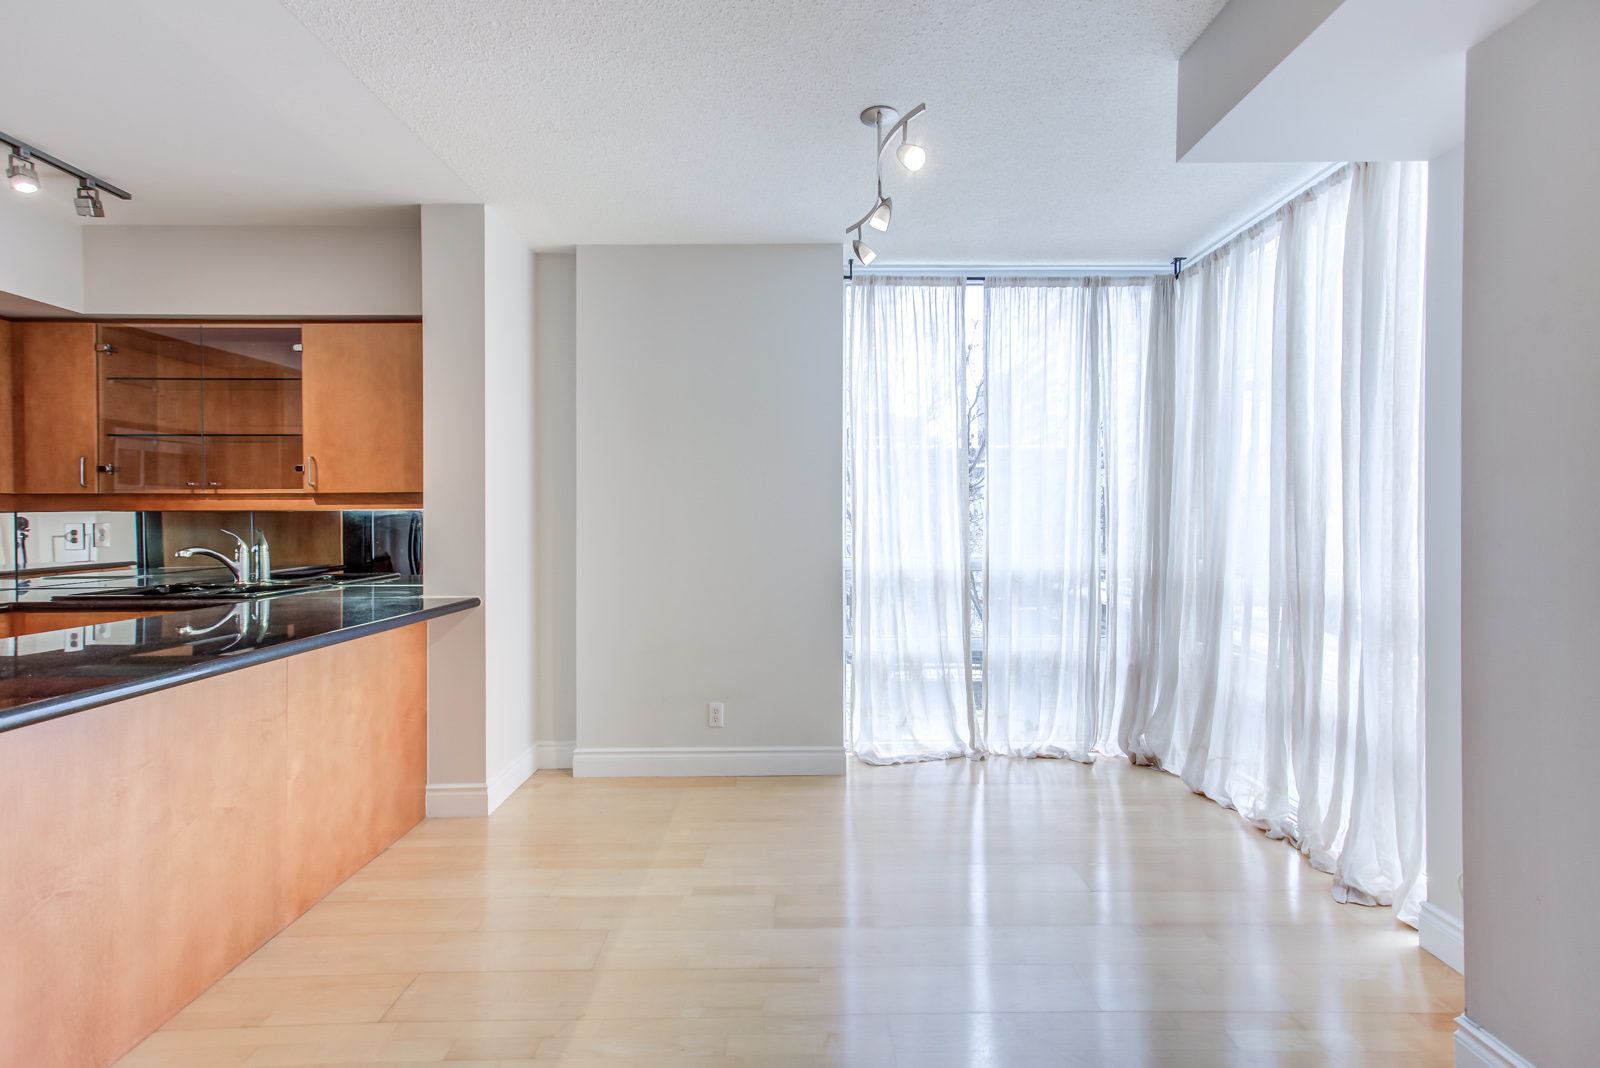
(209, 112)
(1050, 125)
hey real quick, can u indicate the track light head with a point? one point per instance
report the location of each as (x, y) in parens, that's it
(863, 253)
(911, 156)
(21, 174)
(879, 219)
(88, 202)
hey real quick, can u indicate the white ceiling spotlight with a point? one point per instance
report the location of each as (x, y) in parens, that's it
(879, 219)
(859, 247)
(21, 175)
(24, 177)
(911, 156)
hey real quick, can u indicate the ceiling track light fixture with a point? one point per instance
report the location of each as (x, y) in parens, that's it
(24, 177)
(911, 157)
(87, 201)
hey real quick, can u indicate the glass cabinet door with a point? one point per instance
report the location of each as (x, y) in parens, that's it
(199, 408)
(251, 410)
(151, 380)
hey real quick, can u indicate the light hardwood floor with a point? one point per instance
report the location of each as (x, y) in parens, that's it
(998, 914)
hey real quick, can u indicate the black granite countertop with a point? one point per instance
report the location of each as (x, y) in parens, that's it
(55, 673)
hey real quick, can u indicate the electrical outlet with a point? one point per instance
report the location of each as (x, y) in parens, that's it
(102, 535)
(77, 535)
(73, 642)
(714, 714)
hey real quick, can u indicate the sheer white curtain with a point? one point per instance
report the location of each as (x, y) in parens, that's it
(1282, 670)
(911, 679)
(1064, 379)
(1202, 525)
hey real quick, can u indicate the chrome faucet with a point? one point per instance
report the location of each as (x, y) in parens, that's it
(261, 555)
(240, 565)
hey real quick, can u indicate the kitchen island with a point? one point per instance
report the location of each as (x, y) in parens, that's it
(176, 788)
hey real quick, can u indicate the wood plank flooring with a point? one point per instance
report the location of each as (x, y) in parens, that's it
(982, 915)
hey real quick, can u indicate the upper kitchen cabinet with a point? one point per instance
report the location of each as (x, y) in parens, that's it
(151, 380)
(252, 407)
(199, 408)
(54, 383)
(362, 407)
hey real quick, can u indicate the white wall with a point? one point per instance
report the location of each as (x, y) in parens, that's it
(41, 255)
(556, 391)
(202, 271)
(1530, 531)
(1240, 47)
(1440, 925)
(247, 271)
(509, 513)
(709, 394)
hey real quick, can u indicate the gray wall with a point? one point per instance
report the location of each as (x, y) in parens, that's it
(556, 277)
(478, 485)
(453, 494)
(1442, 522)
(181, 271)
(1531, 533)
(252, 270)
(710, 409)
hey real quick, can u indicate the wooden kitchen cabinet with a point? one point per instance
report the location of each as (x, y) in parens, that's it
(362, 407)
(56, 422)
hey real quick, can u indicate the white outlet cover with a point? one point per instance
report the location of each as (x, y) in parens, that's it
(102, 535)
(714, 714)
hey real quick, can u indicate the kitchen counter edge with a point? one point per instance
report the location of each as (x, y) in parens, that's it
(48, 708)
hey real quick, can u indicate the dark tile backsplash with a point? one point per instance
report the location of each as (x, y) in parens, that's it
(367, 541)
(384, 542)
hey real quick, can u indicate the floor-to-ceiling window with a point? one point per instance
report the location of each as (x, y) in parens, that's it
(1171, 519)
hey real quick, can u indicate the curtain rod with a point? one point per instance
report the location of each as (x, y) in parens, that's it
(1060, 270)
(1234, 231)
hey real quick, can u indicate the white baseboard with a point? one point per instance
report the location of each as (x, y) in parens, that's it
(733, 760)
(555, 754)
(513, 775)
(457, 799)
(1477, 1048)
(1441, 934)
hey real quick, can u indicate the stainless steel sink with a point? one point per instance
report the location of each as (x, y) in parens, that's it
(203, 594)
(190, 594)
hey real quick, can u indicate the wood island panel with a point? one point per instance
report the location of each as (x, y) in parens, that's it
(139, 848)
(358, 758)
(149, 846)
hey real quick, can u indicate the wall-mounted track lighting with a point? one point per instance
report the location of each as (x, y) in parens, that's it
(911, 157)
(24, 177)
(21, 175)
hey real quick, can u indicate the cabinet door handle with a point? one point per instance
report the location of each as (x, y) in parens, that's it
(83, 471)
(311, 471)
